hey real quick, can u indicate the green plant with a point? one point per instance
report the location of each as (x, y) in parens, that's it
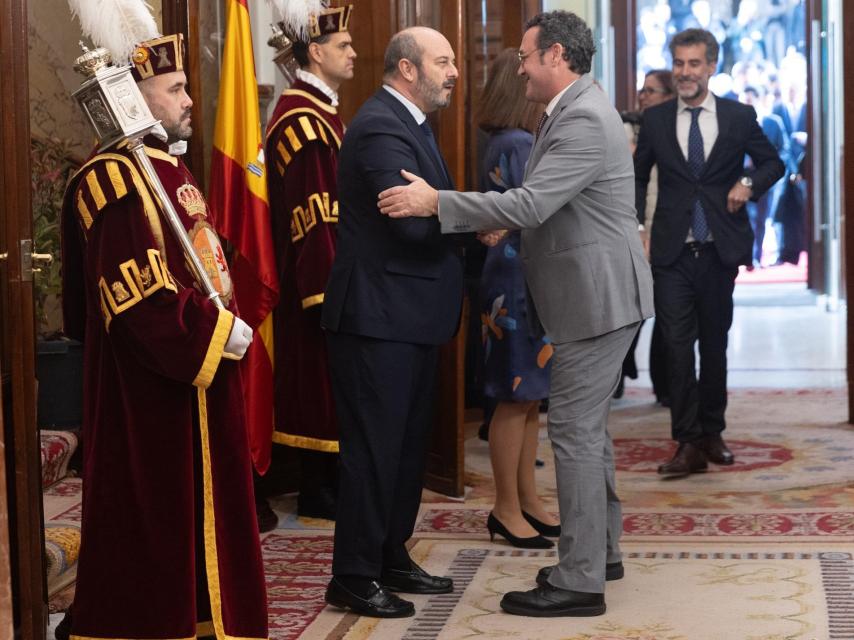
(51, 166)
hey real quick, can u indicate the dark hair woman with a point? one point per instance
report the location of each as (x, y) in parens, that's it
(516, 363)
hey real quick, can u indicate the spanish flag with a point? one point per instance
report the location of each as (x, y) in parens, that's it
(241, 214)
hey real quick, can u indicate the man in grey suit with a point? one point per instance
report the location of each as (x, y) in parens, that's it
(590, 285)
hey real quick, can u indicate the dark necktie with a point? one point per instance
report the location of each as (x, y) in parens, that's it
(431, 140)
(696, 161)
(541, 124)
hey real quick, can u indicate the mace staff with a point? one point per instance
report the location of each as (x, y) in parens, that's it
(117, 111)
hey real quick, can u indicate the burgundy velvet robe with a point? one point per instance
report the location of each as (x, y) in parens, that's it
(169, 539)
(303, 141)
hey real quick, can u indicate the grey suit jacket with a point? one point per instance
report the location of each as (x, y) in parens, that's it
(583, 259)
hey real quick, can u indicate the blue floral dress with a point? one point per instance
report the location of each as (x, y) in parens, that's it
(516, 363)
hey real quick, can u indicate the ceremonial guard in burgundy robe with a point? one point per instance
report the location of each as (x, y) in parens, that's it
(170, 547)
(303, 141)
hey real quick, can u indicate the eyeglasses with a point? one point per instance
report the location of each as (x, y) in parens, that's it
(651, 90)
(522, 56)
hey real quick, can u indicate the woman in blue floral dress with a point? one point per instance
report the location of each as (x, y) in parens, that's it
(516, 363)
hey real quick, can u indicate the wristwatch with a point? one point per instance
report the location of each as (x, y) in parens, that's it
(747, 181)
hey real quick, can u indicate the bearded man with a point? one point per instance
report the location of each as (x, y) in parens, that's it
(170, 544)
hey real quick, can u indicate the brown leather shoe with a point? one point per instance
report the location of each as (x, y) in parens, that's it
(688, 459)
(716, 450)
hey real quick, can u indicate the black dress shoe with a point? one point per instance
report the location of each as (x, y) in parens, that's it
(551, 530)
(613, 571)
(63, 629)
(378, 603)
(267, 518)
(716, 450)
(688, 459)
(493, 525)
(416, 580)
(549, 601)
(319, 503)
(483, 431)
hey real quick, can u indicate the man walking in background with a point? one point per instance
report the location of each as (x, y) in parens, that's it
(701, 235)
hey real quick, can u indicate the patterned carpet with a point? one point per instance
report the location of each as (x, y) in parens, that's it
(724, 592)
(761, 550)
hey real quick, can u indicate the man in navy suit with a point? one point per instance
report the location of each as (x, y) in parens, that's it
(393, 296)
(700, 236)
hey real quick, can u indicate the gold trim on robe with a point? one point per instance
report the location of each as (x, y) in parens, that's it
(148, 205)
(312, 300)
(209, 526)
(224, 322)
(314, 99)
(317, 118)
(304, 442)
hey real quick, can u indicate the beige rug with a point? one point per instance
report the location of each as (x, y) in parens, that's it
(670, 592)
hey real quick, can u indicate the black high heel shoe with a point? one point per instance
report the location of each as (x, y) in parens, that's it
(550, 530)
(493, 525)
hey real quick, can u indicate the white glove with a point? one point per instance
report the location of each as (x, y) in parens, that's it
(238, 340)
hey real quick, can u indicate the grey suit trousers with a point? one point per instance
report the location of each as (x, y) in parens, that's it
(583, 378)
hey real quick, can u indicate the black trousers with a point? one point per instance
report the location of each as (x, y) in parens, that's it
(658, 365)
(693, 302)
(384, 398)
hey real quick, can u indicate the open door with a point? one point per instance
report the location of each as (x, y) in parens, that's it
(21, 504)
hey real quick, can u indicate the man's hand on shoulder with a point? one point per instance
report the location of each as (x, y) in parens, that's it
(738, 195)
(417, 199)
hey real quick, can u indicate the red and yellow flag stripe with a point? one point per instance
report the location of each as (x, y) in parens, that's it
(241, 214)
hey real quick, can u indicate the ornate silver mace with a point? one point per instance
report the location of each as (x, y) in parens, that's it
(117, 111)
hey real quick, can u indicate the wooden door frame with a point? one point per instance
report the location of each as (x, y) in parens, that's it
(816, 270)
(6, 615)
(445, 471)
(182, 16)
(26, 534)
(624, 21)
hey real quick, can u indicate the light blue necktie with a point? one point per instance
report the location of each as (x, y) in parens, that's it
(696, 161)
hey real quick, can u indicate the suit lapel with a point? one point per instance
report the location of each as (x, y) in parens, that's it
(724, 120)
(571, 94)
(670, 127)
(406, 117)
(671, 110)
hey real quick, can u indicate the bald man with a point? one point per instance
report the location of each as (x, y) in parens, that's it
(394, 295)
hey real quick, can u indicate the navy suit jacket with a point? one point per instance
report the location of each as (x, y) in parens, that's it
(739, 134)
(392, 279)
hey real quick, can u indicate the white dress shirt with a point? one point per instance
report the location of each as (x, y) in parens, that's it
(553, 102)
(410, 106)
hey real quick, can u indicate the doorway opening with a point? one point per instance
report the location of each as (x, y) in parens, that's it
(763, 63)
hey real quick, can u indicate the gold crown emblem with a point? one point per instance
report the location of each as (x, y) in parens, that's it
(192, 201)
